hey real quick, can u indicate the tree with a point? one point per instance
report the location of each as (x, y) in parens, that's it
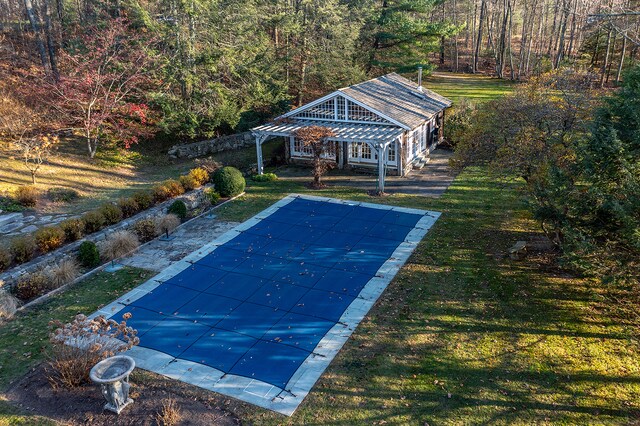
(102, 82)
(316, 137)
(35, 151)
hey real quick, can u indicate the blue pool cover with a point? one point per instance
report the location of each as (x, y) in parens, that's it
(258, 305)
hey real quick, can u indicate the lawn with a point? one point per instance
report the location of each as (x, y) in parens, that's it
(112, 174)
(463, 335)
(475, 87)
(24, 340)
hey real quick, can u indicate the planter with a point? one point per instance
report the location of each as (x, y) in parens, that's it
(112, 374)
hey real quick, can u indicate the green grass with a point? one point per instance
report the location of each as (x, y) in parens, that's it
(464, 335)
(475, 87)
(24, 340)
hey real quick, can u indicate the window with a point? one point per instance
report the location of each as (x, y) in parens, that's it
(366, 151)
(340, 103)
(391, 152)
(323, 111)
(358, 113)
(300, 149)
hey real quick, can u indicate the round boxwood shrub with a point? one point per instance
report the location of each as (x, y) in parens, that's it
(267, 177)
(112, 213)
(179, 208)
(49, 238)
(129, 206)
(88, 254)
(229, 181)
(5, 258)
(23, 248)
(144, 198)
(93, 221)
(73, 229)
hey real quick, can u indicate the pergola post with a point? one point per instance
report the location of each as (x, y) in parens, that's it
(260, 138)
(380, 149)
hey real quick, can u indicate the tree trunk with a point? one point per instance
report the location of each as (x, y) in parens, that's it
(50, 43)
(483, 8)
(620, 65)
(605, 65)
(33, 20)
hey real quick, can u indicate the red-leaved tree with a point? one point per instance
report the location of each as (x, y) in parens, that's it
(316, 137)
(102, 83)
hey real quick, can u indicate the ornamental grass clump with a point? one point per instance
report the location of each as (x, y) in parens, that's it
(145, 229)
(79, 345)
(167, 223)
(32, 285)
(8, 305)
(170, 414)
(188, 182)
(118, 244)
(27, 195)
(63, 272)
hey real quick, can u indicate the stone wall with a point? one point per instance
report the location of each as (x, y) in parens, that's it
(212, 146)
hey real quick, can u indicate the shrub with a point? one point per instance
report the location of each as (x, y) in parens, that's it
(23, 248)
(118, 244)
(93, 221)
(112, 213)
(27, 196)
(88, 254)
(144, 198)
(62, 195)
(49, 238)
(128, 206)
(63, 273)
(8, 305)
(188, 182)
(5, 258)
(77, 346)
(145, 229)
(179, 208)
(212, 196)
(267, 177)
(73, 229)
(31, 285)
(160, 193)
(9, 204)
(200, 175)
(167, 223)
(173, 187)
(170, 414)
(229, 181)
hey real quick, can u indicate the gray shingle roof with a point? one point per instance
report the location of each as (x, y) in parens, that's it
(398, 98)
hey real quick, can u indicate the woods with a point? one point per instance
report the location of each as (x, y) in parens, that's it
(126, 71)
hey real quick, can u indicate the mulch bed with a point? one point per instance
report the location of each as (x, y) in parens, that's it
(34, 395)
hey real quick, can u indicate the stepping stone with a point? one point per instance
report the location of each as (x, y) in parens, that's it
(11, 227)
(30, 228)
(6, 219)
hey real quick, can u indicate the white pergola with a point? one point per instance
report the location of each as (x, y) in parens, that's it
(379, 137)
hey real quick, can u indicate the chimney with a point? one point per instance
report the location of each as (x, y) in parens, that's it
(420, 79)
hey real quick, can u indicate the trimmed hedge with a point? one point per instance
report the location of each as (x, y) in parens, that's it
(49, 238)
(229, 181)
(73, 229)
(93, 220)
(23, 248)
(267, 177)
(112, 213)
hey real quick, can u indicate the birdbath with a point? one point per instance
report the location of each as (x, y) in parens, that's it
(112, 374)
